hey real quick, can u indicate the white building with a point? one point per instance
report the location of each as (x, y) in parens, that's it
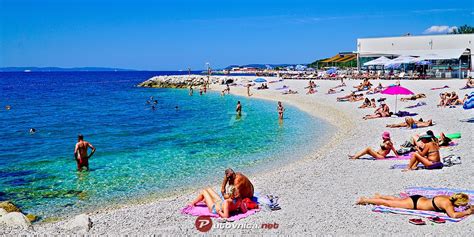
(453, 52)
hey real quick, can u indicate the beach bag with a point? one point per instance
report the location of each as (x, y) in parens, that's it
(451, 160)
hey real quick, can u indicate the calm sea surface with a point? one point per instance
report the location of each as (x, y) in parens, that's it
(140, 151)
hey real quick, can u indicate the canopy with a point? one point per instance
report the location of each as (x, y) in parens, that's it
(432, 54)
(379, 61)
(397, 90)
(400, 60)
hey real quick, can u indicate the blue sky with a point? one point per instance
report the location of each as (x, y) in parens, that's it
(171, 35)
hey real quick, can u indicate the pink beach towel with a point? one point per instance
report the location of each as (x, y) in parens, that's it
(201, 210)
(384, 209)
(403, 157)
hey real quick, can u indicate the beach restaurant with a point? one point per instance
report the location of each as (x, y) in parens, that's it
(438, 56)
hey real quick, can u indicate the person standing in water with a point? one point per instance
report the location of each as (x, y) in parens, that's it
(280, 109)
(191, 90)
(239, 109)
(80, 153)
(248, 89)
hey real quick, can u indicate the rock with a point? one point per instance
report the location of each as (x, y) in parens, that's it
(2, 212)
(9, 206)
(80, 223)
(16, 220)
(31, 217)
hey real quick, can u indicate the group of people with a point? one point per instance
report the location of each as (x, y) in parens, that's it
(382, 111)
(311, 87)
(263, 86)
(426, 146)
(450, 99)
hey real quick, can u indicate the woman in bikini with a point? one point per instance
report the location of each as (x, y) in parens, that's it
(365, 104)
(280, 110)
(440, 203)
(382, 111)
(218, 205)
(428, 156)
(414, 97)
(385, 148)
(411, 123)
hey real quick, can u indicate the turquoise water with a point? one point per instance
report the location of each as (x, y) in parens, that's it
(140, 151)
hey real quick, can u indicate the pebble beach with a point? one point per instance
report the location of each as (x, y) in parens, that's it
(318, 193)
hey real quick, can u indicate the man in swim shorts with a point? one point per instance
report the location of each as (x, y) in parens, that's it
(241, 184)
(80, 153)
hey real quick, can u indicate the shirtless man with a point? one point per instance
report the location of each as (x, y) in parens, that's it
(80, 153)
(242, 185)
(238, 109)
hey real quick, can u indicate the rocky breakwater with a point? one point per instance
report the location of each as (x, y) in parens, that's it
(178, 81)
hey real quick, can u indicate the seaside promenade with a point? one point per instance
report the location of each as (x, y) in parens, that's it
(318, 193)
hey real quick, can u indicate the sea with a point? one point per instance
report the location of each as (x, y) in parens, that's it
(182, 143)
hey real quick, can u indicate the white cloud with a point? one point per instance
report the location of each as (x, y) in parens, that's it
(440, 29)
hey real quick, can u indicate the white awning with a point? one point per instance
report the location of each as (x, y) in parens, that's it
(400, 60)
(422, 54)
(379, 61)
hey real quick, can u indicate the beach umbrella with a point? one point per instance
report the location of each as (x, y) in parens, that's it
(331, 70)
(397, 90)
(260, 80)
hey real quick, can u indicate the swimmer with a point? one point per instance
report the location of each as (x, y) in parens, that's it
(32, 130)
(190, 90)
(280, 109)
(8, 107)
(238, 109)
(80, 153)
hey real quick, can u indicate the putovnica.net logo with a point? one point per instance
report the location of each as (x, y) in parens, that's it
(204, 224)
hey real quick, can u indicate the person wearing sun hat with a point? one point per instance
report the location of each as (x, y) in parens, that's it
(428, 156)
(385, 148)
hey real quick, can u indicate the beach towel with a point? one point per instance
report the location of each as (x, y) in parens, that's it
(432, 192)
(405, 113)
(384, 209)
(417, 105)
(439, 88)
(437, 165)
(403, 157)
(201, 210)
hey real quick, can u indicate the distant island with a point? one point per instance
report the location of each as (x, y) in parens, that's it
(60, 69)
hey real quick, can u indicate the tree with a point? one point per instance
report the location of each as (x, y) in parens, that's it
(465, 29)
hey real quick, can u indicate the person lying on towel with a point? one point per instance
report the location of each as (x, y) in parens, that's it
(221, 206)
(411, 123)
(440, 203)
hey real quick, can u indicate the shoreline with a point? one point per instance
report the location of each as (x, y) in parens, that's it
(152, 197)
(323, 180)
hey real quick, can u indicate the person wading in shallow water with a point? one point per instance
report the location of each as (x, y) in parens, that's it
(238, 109)
(80, 153)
